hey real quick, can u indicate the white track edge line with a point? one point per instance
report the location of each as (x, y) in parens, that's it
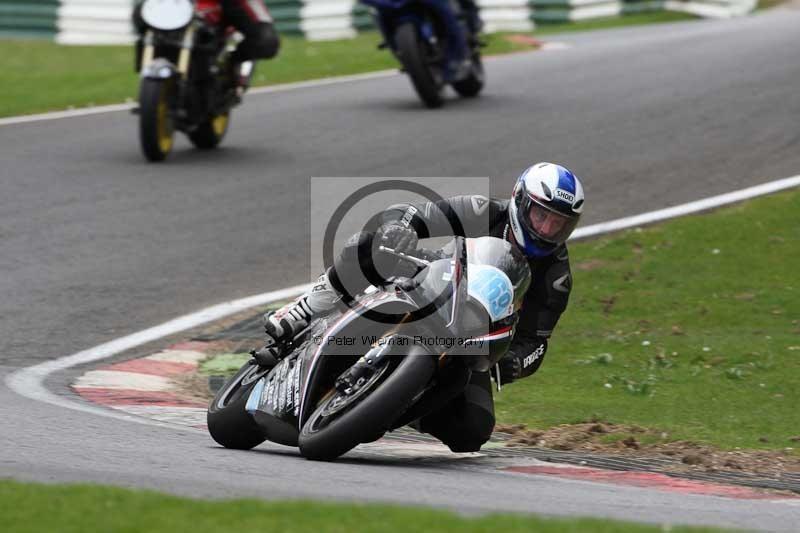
(687, 209)
(277, 88)
(29, 381)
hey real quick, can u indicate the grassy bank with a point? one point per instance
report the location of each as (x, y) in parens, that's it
(40, 76)
(691, 327)
(79, 508)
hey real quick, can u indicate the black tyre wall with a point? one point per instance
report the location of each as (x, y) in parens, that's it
(230, 425)
(375, 413)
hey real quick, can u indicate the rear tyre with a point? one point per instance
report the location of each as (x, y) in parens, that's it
(472, 85)
(228, 422)
(323, 439)
(156, 129)
(210, 133)
(412, 55)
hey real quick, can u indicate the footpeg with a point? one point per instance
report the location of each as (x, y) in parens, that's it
(265, 357)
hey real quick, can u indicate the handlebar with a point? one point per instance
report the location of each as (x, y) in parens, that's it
(420, 256)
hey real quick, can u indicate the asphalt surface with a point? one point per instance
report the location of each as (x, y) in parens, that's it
(97, 244)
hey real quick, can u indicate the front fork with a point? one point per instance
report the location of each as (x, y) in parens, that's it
(184, 56)
(161, 68)
(186, 51)
(358, 374)
(148, 50)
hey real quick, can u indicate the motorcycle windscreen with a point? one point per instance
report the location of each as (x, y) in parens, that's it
(440, 288)
(505, 259)
(167, 15)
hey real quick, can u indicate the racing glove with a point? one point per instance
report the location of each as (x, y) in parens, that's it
(522, 361)
(398, 237)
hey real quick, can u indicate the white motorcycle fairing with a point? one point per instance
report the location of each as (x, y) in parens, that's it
(167, 15)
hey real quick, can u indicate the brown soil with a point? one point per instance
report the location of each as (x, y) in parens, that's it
(592, 264)
(193, 386)
(606, 438)
(526, 40)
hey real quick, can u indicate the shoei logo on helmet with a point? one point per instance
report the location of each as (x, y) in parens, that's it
(565, 195)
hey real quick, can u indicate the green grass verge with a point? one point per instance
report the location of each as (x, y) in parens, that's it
(29, 507)
(41, 76)
(691, 327)
(769, 4)
(604, 23)
(224, 364)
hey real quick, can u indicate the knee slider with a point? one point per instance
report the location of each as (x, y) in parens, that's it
(473, 430)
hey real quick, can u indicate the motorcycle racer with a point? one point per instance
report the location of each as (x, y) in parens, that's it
(545, 207)
(252, 19)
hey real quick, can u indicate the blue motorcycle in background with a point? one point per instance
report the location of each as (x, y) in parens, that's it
(436, 43)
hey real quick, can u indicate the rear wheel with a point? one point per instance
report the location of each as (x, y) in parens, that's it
(473, 84)
(156, 129)
(228, 422)
(211, 132)
(412, 53)
(342, 422)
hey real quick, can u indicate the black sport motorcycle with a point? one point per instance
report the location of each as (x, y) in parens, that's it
(187, 82)
(396, 354)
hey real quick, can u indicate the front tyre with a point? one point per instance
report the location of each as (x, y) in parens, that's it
(210, 133)
(411, 52)
(329, 433)
(228, 422)
(156, 129)
(472, 85)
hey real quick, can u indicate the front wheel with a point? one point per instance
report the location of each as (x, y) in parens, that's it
(412, 54)
(156, 129)
(342, 422)
(470, 86)
(228, 422)
(209, 134)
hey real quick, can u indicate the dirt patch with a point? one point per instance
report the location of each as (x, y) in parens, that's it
(525, 40)
(636, 441)
(193, 386)
(588, 266)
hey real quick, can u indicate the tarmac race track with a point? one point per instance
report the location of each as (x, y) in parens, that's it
(97, 244)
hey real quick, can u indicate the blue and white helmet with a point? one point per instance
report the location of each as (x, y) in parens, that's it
(545, 207)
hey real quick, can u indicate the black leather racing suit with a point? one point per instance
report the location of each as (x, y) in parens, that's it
(467, 422)
(254, 21)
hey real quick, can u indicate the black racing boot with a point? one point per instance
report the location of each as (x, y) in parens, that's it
(244, 75)
(286, 323)
(239, 75)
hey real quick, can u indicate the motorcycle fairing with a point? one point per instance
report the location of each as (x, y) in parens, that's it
(318, 360)
(278, 393)
(254, 400)
(274, 401)
(210, 10)
(491, 287)
(167, 15)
